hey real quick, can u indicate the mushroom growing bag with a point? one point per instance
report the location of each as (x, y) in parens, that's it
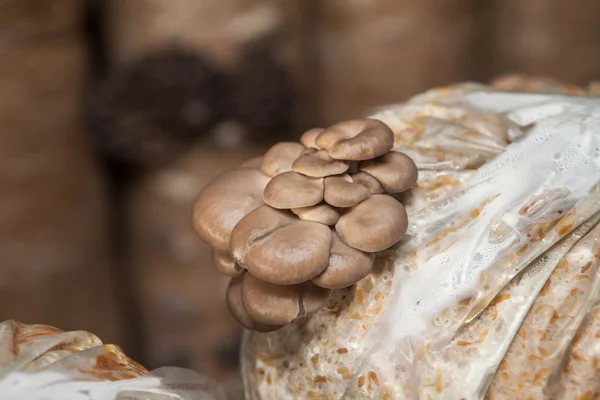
(494, 292)
(40, 362)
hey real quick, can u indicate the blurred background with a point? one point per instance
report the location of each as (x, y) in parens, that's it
(115, 113)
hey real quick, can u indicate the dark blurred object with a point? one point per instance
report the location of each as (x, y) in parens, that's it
(554, 38)
(372, 53)
(55, 260)
(260, 45)
(146, 113)
(185, 319)
(260, 96)
(38, 19)
(94, 34)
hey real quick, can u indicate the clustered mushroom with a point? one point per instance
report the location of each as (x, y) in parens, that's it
(305, 219)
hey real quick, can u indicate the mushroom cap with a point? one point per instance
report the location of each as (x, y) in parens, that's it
(224, 262)
(270, 304)
(356, 140)
(341, 193)
(346, 266)
(280, 157)
(223, 202)
(293, 190)
(277, 247)
(255, 226)
(233, 298)
(367, 180)
(308, 138)
(253, 163)
(313, 297)
(322, 213)
(308, 150)
(235, 305)
(373, 225)
(318, 164)
(396, 172)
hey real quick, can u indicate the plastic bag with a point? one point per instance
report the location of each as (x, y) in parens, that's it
(39, 362)
(494, 293)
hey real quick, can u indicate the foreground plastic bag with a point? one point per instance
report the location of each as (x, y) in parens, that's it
(494, 293)
(39, 362)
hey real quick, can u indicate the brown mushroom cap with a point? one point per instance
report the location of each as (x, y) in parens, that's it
(367, 180)
(277, 247)
(308, 150)
(318, 164)
(322, 213)
(346, 266)
(279, 305)
(373, 225)
(224, 202)
(280, 157)
(293, 190)
(341, 193)
(396, 172)
(313, 297)
(224, 262)
(268, 303)
(233, 298)
(236, 307)
(356, 140)
(309, 137)
(253, 163)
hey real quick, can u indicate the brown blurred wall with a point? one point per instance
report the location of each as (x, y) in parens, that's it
(55, 261)
(372, 53)
(557, 39)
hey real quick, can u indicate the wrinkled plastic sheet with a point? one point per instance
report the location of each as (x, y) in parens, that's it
(494, 292)
(40, 362)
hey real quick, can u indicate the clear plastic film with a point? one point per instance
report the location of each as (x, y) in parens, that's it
(494, 291)
(40, 362)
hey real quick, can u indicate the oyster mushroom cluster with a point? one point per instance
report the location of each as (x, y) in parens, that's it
(305, 219)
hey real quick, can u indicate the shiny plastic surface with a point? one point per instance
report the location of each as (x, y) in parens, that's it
(494, 293)
(40, 362)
